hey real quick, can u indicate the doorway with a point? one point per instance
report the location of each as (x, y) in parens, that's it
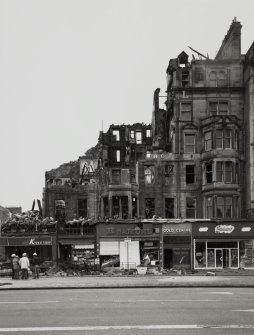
(168, 258)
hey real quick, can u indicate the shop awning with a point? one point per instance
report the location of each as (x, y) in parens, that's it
(83, 246)
(76, 242)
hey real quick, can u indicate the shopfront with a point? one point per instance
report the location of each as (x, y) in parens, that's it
(124, 245)
(176, 245)
(223, 245)
(77, 250)
(44, 246)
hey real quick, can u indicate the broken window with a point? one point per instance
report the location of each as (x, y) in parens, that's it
(116, 155)
(138, 137)
(148, 132)
(186, 111)
(106, 206)
(60, 209)
(134, 207)
(149, 175)
(190, 207)
(116, 176)
(185, 78)
(149, 208)
(125, 207)
(132, 134)
(169, 174)
(189, 142)
(224, 208)
(116, 207)
(209, 207)
(209, 173)
(82, 208)
(169, 208)
(208, 141)
(116, 135)
(190, 174)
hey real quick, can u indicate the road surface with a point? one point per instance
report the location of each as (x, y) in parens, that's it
(135, 311)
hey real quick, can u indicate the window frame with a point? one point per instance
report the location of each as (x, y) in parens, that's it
(187, 145)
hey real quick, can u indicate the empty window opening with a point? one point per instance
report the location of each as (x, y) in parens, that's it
(82, 208)
(190, 174)
(149, 175)
(138, 137)
(149, 208)
(169, 208)
(169, 174)
(116, 135)
(209, 173)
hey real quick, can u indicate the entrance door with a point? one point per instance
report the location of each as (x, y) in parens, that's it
(168, 258)
(219, 258)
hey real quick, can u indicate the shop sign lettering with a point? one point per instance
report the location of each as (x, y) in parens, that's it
(177, 229)
(34, 241)
(246, 229)
(125, 231)
(158, 156)
(224, 229)
(203, 229)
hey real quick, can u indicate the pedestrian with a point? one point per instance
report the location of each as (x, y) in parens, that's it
(12, 269)
(24, 265)
(36, 267)
(15, 267)
(146, 259)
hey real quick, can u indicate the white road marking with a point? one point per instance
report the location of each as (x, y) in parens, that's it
(244, 310)
(29, 302)
(131, 327)
(168, 300)
(219, 293)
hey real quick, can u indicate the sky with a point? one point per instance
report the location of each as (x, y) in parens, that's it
(71, 68)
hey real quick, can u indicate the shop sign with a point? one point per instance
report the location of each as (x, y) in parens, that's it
(126, 231)
(237, 230)
(24, 241)
(161, 156)
(177, 229)
(224, 229)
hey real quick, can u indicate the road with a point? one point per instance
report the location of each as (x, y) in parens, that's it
(128, 311)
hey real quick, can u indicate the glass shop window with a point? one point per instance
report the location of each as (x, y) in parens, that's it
(200, 255)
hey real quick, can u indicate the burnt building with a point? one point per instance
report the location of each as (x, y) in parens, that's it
(192, 166)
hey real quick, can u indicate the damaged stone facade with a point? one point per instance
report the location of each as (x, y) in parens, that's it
(194, 160)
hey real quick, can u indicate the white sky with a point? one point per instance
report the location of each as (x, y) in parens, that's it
(66, 65)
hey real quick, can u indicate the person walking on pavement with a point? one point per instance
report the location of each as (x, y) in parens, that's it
(15, 266)
(36, 267)
(25, 265)
(12, 269)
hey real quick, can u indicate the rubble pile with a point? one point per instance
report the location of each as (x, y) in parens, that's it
(28, 222)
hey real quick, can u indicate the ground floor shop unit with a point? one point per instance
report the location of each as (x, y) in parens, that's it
(127, 245)
(226, 245)
(77, 250)
(176, 245)
(44, 246)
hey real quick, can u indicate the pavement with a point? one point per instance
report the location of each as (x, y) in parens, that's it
(245, 279)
